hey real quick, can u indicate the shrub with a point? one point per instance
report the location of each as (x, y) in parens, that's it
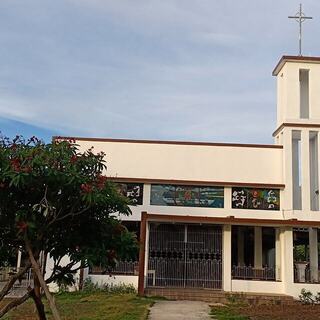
(121, 288)
(306, 297)
(89, 286)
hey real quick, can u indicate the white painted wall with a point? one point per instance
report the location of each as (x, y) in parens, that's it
(102, 280)
(288, 95)
(257, 286)
(190, 162)
(53, 287)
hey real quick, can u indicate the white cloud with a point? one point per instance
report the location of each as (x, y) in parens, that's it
(145, 68)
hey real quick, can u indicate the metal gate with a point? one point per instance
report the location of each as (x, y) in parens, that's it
(185, 255)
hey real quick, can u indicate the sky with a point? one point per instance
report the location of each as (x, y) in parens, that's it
(146, 69)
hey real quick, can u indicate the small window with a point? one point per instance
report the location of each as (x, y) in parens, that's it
(304, 93)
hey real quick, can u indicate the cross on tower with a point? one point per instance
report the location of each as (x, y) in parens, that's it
(300, 17)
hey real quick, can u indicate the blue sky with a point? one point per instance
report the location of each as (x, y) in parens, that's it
(164, 69)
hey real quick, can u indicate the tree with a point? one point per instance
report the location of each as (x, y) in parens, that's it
(55, 201)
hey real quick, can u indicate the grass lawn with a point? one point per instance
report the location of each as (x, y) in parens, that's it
(228, 312)
(90, 306)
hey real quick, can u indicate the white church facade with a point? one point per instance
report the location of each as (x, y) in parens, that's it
(229, 217)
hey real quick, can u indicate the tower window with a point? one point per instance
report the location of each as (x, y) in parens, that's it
(304, 93)
(296, 170)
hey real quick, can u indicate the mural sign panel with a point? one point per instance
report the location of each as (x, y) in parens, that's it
(259, 199)
(133, 191)
(187, 196)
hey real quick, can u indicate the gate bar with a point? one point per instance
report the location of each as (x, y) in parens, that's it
(142, 250)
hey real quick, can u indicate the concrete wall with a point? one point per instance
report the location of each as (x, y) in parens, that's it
(257, 286)
(190, 162)
(288, 95)
(101, 280)
(53, 287)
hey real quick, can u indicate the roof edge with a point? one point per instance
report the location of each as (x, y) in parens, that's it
(195, 143)
(295, 125)
(284, 59)
(198, 182)
(231, 220)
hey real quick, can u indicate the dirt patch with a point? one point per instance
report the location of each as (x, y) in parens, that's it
(275, 312)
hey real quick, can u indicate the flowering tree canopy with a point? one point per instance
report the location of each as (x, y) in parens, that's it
(55, 201)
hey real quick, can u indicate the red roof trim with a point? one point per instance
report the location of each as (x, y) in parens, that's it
(284, 59)
(191, 143)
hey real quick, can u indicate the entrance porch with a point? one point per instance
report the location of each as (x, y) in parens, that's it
(223, 257)
(191, 253)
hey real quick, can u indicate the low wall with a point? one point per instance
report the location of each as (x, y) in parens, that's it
(295, 288)
(251, 286)
(53, 287)
(100, 280)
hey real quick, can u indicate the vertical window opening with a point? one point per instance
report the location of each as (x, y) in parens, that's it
(304, 93)
(314, 171)
(296, 170)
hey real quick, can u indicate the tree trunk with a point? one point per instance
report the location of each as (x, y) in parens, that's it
(12, 280)
(14, 303)
(36, 296)
(37, 271)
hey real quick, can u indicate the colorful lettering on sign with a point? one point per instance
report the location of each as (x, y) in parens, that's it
(259, 199)
(133, 191)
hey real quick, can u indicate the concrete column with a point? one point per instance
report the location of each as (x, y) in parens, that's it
(226, 260)
(305, 170)
(258, 247)
(313, 248)
(227, 197)
(19, 260)
(146, 194)
(240, 247)
(278, 254)
(286, 239)
(318, 155)
(287, 199)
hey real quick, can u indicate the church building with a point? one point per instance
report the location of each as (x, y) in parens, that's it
(224, 216)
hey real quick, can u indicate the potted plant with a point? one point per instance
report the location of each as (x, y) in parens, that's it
(300, 262)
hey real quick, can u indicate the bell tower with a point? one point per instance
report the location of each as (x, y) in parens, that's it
(298, 130)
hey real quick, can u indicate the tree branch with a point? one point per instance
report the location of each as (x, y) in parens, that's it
(64, 270)
(36, 269)
(12, 280)
(15, 303)
(73, 214)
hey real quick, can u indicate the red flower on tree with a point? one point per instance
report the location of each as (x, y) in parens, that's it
(100, 182)
(86, 187)
(15, 164)
(22, 226)
(74, 159)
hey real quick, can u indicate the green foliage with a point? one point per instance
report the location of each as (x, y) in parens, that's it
(122, 288)
(58, 198)
(235, 298)
(226, 313)
(306, 297)
(300, 252)
(96, 306)
(89, 286)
